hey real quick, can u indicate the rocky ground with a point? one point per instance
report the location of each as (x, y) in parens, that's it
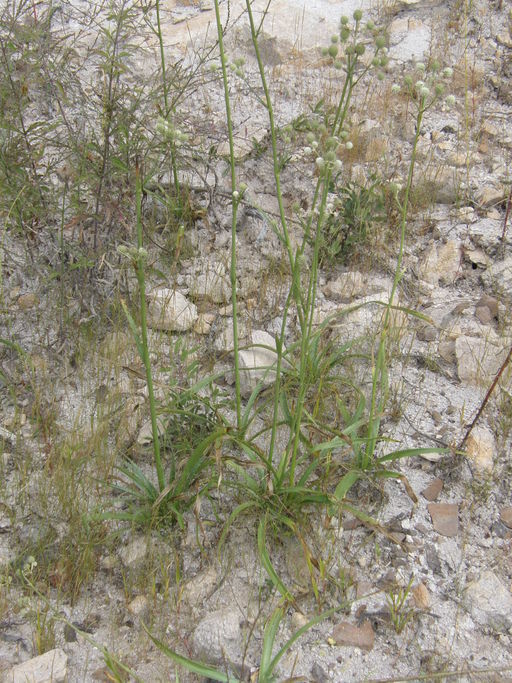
(444, 546)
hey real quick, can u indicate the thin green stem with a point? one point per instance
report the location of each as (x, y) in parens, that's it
(235, 202)
(379, 375)
(166, 100)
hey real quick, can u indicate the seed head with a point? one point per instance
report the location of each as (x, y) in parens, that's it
(358, 15)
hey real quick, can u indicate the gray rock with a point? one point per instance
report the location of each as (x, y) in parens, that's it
(409, 38)
(478, 360)
(209, 282)
(441, 263)
(170, 310)
(481, 449)
(345, 287)
(485, 233)
(48, 668)
(499, 276)
(135, 553)
(489, 602)
(218, 639)
(257, 364)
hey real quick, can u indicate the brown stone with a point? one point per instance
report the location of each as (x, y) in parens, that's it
(506, 516)
(350, 635)
(421, 596)
(445, 518)
(432, 491)
(26, 301)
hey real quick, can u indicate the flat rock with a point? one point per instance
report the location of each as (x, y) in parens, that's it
(490, 602)
(217, 638)
(134, 553)
(506, 516)
(481, 449)
(441, 263)
(409, 38)
(257, 362)
(432, 491)
(345, 287)
(209, 282)
(48, 668)
(478, 360)
(486, 232)
(351, 635)
(170, 310)
(490, 195)
(445, 518)
(499, 277)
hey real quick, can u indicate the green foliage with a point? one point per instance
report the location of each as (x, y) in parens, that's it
(357, 210)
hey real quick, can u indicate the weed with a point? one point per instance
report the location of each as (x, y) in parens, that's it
(400, 614)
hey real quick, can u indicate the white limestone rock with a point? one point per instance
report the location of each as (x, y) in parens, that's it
(170, 310)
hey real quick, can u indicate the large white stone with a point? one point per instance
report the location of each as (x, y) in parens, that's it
(481, 448)
(489, 601)
(210, 283)
(170, 310)
(410, 38)
(48, 668)
(257, 363)
(479, 359)
(441, 263)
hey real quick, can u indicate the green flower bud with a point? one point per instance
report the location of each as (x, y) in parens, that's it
(338, 165)
(332, 143)
(349, 145)
(334, 39)
(395, 88)
(360, 49)
(439, 89)
(322, 129)
(420, 66)
(448, 72)
(435, 66)
(344, 34)
(338, 65)
(380, 76)
(450, 101)
(344, 134)
(236, 196)
(424, 92)
(358, 15)
(350, 49)
(408, 81)
(384, 60)
(370, 25)
(380, 42)
(310, 137)
(325, 51)
(330, 156)
(319, 161)
(344, 20)
(333, 50)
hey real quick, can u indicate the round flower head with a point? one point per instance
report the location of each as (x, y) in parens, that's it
(334, 39)
(333, 50)
(338, 165)
(380, 42)
(344, 34)
(420, 66)
(450, 101)
(395, 88)
(370, 25)
(236, 195)
(360, 49)
(349, 145)
(448, 72)
(424, 92)
(358, 15)
(344, 20)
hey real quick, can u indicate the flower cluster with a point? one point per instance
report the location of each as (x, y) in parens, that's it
(169, 132)
(427, 84)
(351, 44)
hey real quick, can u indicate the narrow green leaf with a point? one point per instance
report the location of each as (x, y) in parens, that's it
(267, 564)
